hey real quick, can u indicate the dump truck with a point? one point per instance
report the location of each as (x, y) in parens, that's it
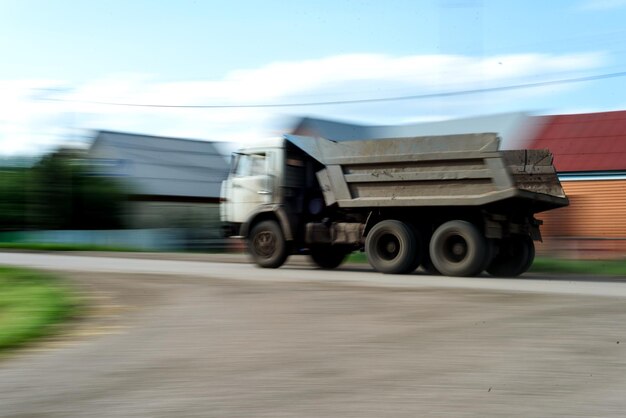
(455, 205)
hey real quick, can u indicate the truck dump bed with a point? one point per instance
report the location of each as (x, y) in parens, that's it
(451, 170)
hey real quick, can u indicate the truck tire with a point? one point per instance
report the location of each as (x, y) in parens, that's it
(392, 247)
(515, 256)
(457, 248)
(327, 256)
(267, 245)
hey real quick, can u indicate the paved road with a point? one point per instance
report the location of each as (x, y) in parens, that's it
(172, 338)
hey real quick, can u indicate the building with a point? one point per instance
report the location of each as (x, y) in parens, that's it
(590, 157)
(175, 183)
(172, 182)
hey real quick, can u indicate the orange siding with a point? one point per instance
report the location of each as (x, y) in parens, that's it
(597, 210)
(593, 226)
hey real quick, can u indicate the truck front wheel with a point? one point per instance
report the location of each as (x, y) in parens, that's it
(392, 247)
(267, 245)
(457, 248)
(515, 256)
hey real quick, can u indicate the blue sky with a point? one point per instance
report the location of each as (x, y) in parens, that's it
(60, 58)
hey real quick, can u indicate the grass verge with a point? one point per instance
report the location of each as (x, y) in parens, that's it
(44, 246)
(357, 257)
(31, 303)
(553, 265)
(592, 267)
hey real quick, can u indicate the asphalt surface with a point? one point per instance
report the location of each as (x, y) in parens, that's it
(195, 338)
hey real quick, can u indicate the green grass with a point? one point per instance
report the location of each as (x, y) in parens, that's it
(31, 303)
(43, 246)
(357, 257)
(591, 267)
(554, 265)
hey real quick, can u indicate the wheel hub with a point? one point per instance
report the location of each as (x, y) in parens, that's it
(458, 249)
(389, 247)
(265, 244)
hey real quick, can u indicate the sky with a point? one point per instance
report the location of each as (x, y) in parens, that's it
(242, 70)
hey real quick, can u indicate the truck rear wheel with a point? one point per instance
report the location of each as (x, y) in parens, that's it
(267, 245)
(328, 256)
(392, 247)
(515, 256)
(457, 248)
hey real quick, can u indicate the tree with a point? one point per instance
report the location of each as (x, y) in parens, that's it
(14, 185)
(60, 192)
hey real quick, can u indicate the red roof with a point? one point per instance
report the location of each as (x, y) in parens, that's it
(585, 142)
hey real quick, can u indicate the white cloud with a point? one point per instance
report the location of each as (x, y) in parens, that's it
(31, 122)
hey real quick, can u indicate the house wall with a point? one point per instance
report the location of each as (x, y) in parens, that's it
(592, 226)
(165, 239)
(206, 216)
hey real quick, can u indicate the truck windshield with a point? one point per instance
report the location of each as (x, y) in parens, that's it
(250, 165)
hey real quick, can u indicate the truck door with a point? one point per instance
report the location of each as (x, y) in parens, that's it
(250, 186)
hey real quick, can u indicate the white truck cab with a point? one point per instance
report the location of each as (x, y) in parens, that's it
(254, 180)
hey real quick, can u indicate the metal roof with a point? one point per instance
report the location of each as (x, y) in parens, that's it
(160, 166)
(585, 142)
